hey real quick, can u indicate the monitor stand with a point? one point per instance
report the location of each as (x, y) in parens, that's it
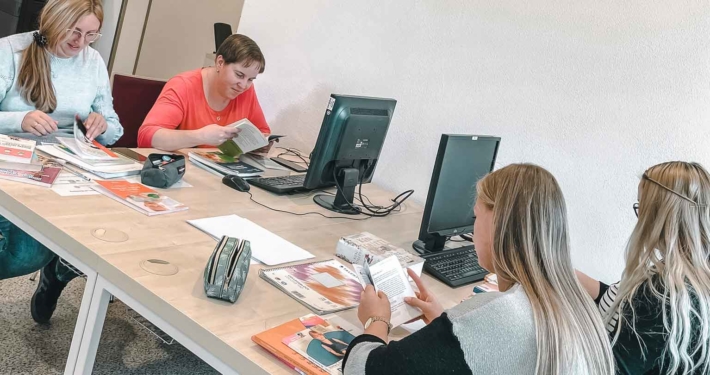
(433, 244)
(342, 202)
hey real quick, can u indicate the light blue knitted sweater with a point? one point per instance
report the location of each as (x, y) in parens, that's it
(81, 85)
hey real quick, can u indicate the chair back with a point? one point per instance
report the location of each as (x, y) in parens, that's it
(133, 97)
(222, 31)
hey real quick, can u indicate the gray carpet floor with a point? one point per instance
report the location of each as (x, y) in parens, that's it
(125, 347)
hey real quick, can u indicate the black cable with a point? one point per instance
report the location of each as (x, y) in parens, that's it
(251, 197)
(380, 210)
(294, 152)
(373, 211)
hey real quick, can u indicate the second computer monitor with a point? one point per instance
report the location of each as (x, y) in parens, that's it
(461, 161)
(349, 143)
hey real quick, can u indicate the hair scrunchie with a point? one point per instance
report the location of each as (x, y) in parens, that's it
(40, 39)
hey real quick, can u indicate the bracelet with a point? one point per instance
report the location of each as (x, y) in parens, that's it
(373, 319)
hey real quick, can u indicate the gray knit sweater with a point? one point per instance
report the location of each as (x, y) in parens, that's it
(491, 333)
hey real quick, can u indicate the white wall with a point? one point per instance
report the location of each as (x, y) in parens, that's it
(180, 32)
(129, 41)
(594, 91)
(112, 10)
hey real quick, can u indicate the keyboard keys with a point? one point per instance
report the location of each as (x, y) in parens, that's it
(455, 267)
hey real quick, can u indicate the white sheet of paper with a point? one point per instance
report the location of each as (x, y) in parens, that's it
(266, 247)
(69, 185)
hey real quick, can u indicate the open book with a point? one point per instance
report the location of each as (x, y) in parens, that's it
(249, 139)
(388, 276)
(84, 148)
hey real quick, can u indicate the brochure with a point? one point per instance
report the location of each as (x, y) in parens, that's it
(324, 287)
(281, 341)
(388, 276)
(324, 341)
(49, 170)
(85, 148)
(14, 151)
(139, 197)
(249, 139)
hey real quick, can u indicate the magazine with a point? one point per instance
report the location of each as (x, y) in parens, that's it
(249, 139)
(139, 197)
(114, 170)
(324, 287)
(388, 276)
(324, 341)
(85, 148)
(273, 341)
(14, 151)
(49, 170)
(225, 164)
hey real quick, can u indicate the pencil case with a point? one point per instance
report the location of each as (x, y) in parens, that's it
(163, 170)
(227, 269)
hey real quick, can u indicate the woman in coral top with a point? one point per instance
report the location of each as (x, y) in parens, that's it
(195, 106)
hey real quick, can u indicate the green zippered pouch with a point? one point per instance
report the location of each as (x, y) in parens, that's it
(227, 269)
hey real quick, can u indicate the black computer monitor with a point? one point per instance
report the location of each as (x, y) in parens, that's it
(348, 146)
(461, 161)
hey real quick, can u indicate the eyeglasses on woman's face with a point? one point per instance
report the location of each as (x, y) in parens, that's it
(89, 37)
(636, 209)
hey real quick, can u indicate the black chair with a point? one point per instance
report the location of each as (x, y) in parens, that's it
(29, 15)
(221, 32)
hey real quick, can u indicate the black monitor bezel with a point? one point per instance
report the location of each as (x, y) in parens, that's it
(424, 234)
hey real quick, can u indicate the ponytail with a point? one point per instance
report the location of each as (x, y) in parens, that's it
(35, 77)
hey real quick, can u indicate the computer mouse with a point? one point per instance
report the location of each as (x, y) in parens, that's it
(236, 182)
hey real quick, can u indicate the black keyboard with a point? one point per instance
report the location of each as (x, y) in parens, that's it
(455, 267)
(281, 184)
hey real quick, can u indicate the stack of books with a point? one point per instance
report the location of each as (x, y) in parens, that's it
(19, 162)
(90, 155)
(117, 167)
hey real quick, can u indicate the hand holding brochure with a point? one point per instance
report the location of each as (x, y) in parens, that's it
(249, 139)
(389, 277)
(84, 147)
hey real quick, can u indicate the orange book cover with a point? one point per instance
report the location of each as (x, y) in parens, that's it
(139, 196)
(272, 340)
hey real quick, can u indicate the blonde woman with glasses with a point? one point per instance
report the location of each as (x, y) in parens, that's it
(48, 77)
(542, 322)
(658, 315)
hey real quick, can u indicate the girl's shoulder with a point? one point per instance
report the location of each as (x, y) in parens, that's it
(15, 43)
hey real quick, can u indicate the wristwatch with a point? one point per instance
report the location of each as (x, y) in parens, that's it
(380, 319)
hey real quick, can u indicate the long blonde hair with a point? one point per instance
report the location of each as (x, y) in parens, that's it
(531, 247)
(35, 77)
(669, 252)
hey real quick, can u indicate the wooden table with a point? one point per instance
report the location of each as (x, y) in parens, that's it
(218, 332)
